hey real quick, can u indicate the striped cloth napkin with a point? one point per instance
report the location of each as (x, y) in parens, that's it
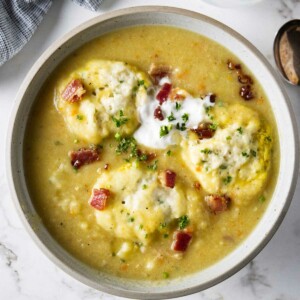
(19, 20)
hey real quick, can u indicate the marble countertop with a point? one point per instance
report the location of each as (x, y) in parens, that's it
(26, 273)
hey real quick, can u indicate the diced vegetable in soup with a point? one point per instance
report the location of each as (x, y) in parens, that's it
(148, 161)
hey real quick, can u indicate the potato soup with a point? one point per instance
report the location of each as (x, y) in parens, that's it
(151, 153)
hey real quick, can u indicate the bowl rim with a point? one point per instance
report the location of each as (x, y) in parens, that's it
(11, 127)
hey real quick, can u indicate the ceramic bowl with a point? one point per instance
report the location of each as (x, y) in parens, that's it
(265, 74)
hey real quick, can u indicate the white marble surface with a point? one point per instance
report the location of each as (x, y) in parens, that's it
(25, 273)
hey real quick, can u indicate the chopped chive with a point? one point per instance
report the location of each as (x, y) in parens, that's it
(185, 117)
(240, 130)
(171, 117)
(262, 199)
(177, 106)
(227, 180)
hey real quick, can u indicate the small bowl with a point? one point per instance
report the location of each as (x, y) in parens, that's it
(289, 157)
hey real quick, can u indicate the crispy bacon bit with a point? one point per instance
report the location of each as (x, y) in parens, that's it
(197, 185)
(106, 166)
(170, 178)
(144, 156)
(157, 72)
(177, 94)
(83, 156)
(73, 91)
(246, 92)
(158, 113)
(179, 97)
(212, 98)
(181, 241)
(245, 79)
(150, 156)
(164, 92)
(99, 198)
(230, 65)
(217, 203)
(204, 131)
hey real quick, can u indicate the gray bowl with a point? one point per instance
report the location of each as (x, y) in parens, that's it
(289, 161)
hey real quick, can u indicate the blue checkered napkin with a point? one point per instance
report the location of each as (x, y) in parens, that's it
(20, 18)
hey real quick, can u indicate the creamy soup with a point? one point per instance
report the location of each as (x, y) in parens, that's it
(151, 153)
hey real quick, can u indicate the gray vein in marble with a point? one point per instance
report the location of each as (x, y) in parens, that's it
(10, 258)
(286, 8)
(254, 279)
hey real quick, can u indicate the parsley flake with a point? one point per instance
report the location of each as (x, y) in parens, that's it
(121, 121)
(183, 222)
(227, 180)
(240, 130)
(153, 167)
(206, 151)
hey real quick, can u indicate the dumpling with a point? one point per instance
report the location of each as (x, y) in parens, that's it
(100, 99)
(236, 160)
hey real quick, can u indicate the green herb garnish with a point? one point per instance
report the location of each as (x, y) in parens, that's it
(121, 121)
(227, 180)
(268, 138)
(181, 126)
(206, 151)
(153, 167)
(164, 130)
(213, 126)
(171, 117)
(79, 117)
(177, 106)
(245, 154)
(253, 153)
(183, 222)
(240, 130)
(185, 117)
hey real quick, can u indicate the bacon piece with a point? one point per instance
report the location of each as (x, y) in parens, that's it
(83, 156)
(99, 198)
(181, 241)
(212, 98)
(246, 93)
(169, 178)
(158, 113)
(164, 92)
(245, 79)
(204, 131)
(73, 91)
(217, 203)
(145, 156)
(157, 72)
(177, 94)
(197, 185)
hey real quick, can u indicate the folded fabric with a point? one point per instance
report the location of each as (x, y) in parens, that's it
(19, 20)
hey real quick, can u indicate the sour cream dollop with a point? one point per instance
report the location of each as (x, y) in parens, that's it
(179, 117)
